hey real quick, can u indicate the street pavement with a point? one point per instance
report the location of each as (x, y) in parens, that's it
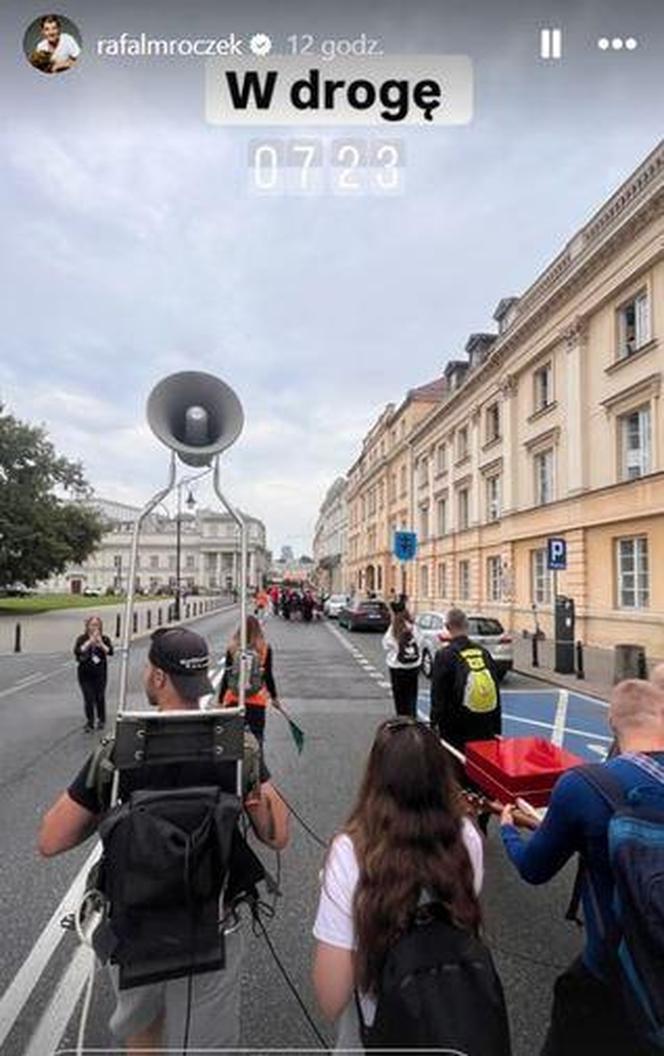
(334, 684)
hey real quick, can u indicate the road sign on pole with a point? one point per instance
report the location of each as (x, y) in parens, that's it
(405, 545)
(556, 550)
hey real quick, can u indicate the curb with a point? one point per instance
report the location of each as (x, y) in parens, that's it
(561, 685)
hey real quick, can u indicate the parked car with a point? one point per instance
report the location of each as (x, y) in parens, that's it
(92, 592)
(484, 630)
(371, 615)
(334, 604)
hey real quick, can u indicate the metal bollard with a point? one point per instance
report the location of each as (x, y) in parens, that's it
(148, 618)
(186, 611)
(159, 617)
(118, 620)
(17, 638)
(135, 623)
(580, 673)
(535, 648)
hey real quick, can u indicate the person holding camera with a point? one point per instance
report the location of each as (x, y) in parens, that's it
(92, 649)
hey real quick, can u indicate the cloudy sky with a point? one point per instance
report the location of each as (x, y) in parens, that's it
(132, 247)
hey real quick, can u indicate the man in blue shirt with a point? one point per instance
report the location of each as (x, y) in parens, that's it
(587, 1015)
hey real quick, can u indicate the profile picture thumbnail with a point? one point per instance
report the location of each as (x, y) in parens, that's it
(52, 44)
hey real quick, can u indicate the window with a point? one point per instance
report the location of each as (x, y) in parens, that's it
(540, 578)
(543, 385)
(463, 509)
(154, 561)
(117, 561)
(492, 423)
(403, 481)
(633, 573)
(424, 581)
(493, 578)
(442, 580)
(441, 458)
(543, 463)
(462, 443)
(424, 522)
(464, 580)
(171, 562)
(441, 516)
(393, 487)
(493, 498)
(633, 325)
(635, 444)
(190, 563)
(423, 472)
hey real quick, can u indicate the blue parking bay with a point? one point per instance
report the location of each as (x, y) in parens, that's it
(582, 720)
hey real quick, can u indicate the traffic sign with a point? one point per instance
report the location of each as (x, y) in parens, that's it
(405, 545)
(556, 554)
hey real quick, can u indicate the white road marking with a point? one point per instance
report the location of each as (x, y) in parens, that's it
(19, 990)
(28, 678)
(46, 1039)
(558, 734)
(599, 750)
(31, 680)
(549, 726)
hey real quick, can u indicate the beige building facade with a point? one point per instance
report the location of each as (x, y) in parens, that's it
(551, 427)
(331, 540)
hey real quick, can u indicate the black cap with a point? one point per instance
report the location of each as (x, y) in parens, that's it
(185, 657)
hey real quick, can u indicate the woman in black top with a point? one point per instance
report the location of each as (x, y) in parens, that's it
(91, 649)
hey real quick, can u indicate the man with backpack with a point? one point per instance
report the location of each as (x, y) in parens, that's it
(199, 1007)
(465, 699)
(611, 999)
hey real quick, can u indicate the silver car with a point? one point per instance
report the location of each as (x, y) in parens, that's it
(481, 629)
(334, 604)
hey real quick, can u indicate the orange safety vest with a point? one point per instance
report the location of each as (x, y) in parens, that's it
(258, 700)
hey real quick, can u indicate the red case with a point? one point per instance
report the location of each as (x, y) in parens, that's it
(527, 767)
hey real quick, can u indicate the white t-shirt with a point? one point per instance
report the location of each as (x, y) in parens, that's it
(391, 647)
(65, 49)
(334, 920)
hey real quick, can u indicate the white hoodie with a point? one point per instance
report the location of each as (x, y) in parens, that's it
(391, 647)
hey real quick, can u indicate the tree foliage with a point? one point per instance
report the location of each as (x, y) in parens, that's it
(40, 533)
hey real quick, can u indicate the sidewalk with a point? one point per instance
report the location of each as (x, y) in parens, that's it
(598, 667)
(55, 632)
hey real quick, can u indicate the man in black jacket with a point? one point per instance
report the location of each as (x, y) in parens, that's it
(465, 699)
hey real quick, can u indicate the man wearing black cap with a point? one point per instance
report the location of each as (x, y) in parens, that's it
(149, 1017)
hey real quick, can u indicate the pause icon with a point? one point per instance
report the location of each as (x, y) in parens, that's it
(551, 43)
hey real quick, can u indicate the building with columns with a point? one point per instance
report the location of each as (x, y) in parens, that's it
(552, 425)
(209, 558)
(330, 539)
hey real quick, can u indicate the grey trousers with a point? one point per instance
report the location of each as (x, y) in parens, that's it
(214, 1020)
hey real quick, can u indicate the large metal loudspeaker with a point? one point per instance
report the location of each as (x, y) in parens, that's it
(196, 415)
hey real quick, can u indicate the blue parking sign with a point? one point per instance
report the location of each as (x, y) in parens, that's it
(556, 554)
(405, 545)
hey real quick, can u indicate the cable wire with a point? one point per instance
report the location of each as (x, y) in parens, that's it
(307, 828)
(256, 908)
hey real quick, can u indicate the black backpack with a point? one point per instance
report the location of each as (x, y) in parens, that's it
(439, 989)
(164, 867)
(409, 651)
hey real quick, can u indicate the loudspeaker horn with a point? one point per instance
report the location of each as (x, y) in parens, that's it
(196, 415)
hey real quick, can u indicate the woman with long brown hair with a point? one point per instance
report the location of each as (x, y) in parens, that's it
(402, 643)
(405, 841)
(261, 689)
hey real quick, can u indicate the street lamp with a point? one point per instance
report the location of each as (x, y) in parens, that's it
(191, 502)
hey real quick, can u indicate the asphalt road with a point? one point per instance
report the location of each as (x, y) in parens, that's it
(334, 684)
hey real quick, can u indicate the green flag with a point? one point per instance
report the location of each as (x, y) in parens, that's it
(297, 734)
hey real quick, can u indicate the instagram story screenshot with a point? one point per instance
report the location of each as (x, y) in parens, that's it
(332, 527)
